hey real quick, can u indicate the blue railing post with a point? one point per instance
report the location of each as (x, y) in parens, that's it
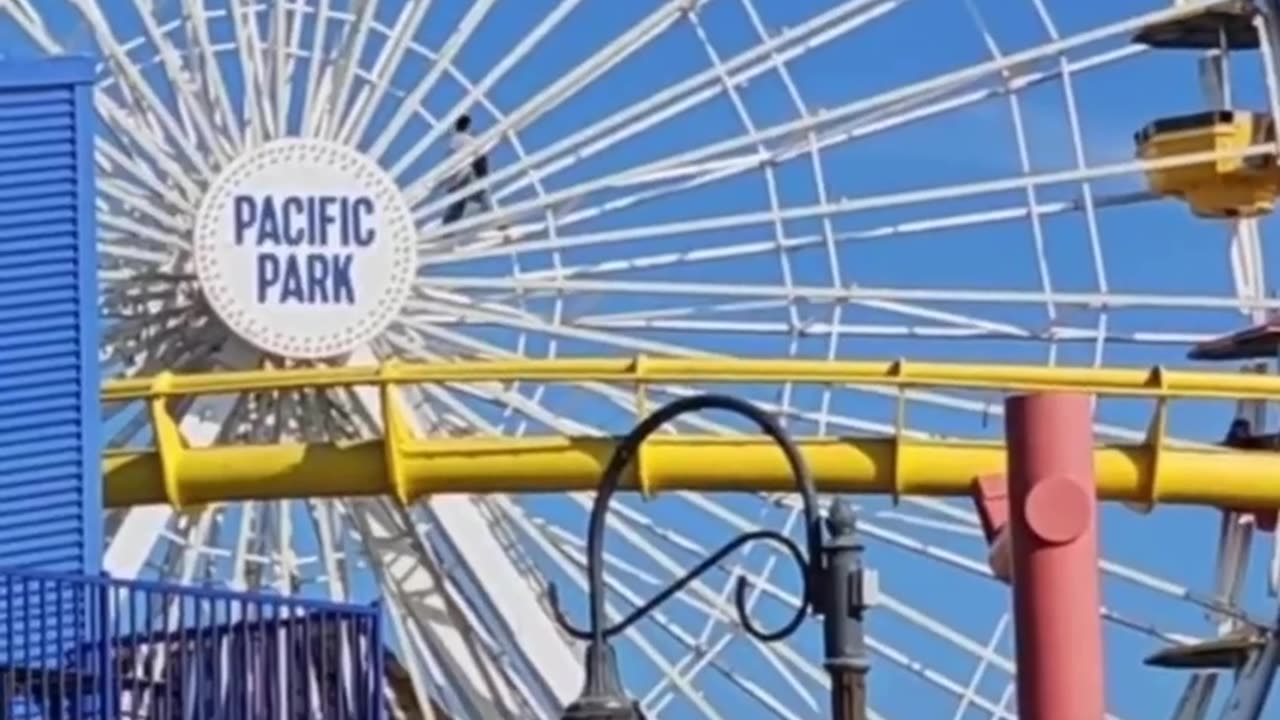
(377, 671)
(101, 644)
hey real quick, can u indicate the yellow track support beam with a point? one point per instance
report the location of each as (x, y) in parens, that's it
(714, 464)
(409, 467)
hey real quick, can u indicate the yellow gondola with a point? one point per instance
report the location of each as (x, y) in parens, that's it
(1227, 187)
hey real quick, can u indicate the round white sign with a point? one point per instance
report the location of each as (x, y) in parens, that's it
(305, 249)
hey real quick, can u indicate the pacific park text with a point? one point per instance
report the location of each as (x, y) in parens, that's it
(306, 245)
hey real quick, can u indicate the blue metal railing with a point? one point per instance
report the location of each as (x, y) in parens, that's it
(95, 647)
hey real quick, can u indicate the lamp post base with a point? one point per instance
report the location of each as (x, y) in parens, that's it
(602, 696)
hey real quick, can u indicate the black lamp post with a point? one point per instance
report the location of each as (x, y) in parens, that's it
(831, 577)
(846, 591)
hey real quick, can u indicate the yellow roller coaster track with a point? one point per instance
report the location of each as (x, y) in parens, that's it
(409, 467)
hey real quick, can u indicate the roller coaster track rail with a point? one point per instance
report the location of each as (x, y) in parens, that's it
(1156, 470)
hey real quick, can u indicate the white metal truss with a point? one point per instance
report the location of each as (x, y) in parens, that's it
(692, 178)
(522, 622)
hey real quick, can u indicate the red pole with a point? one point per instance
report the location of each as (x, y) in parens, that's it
(1054, 536)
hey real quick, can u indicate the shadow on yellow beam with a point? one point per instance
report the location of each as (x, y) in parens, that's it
(413, 468)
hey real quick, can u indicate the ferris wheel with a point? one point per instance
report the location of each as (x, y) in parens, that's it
(313, 183)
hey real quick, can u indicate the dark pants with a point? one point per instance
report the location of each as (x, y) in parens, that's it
(479, 169)
(454, 212)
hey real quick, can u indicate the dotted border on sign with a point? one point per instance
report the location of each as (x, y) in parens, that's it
(402, 240)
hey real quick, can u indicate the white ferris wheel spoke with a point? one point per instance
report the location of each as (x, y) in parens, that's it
(771, 180)
(327, 115)
(581, 76)
(144, 212)
(809, 212)
(788, 295)
(1024, 161)
(383, 71)
(444, 60)
(152, 105)
(819, 175)
(182, 80)
(746, 249)
(211, 76)
(281, 42)
(797, 128)
(319, 67)
(254, 113)
(144, 187)
(1086, 190)
(640, 116)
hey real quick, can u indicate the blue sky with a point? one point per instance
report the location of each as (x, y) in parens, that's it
(1155, 247)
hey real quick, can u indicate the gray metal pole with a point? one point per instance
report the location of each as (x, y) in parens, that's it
(844, 602)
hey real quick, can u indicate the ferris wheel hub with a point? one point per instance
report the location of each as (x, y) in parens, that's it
(305, 248)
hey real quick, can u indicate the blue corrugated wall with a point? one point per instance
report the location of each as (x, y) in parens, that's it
(50, 494)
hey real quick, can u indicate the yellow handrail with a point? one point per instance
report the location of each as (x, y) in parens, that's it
(1145, 382)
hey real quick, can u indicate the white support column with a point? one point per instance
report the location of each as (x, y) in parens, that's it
(438, 646)
(526, 624)
(528, 630)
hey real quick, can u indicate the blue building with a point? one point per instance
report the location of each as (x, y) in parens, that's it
(50, 496)
(73, 643)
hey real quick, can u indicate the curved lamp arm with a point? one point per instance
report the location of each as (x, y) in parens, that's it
(622, 458)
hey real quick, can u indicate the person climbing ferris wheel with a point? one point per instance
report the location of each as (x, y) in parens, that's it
(321, 186)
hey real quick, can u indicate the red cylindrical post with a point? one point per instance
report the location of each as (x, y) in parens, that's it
(1054, 536)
